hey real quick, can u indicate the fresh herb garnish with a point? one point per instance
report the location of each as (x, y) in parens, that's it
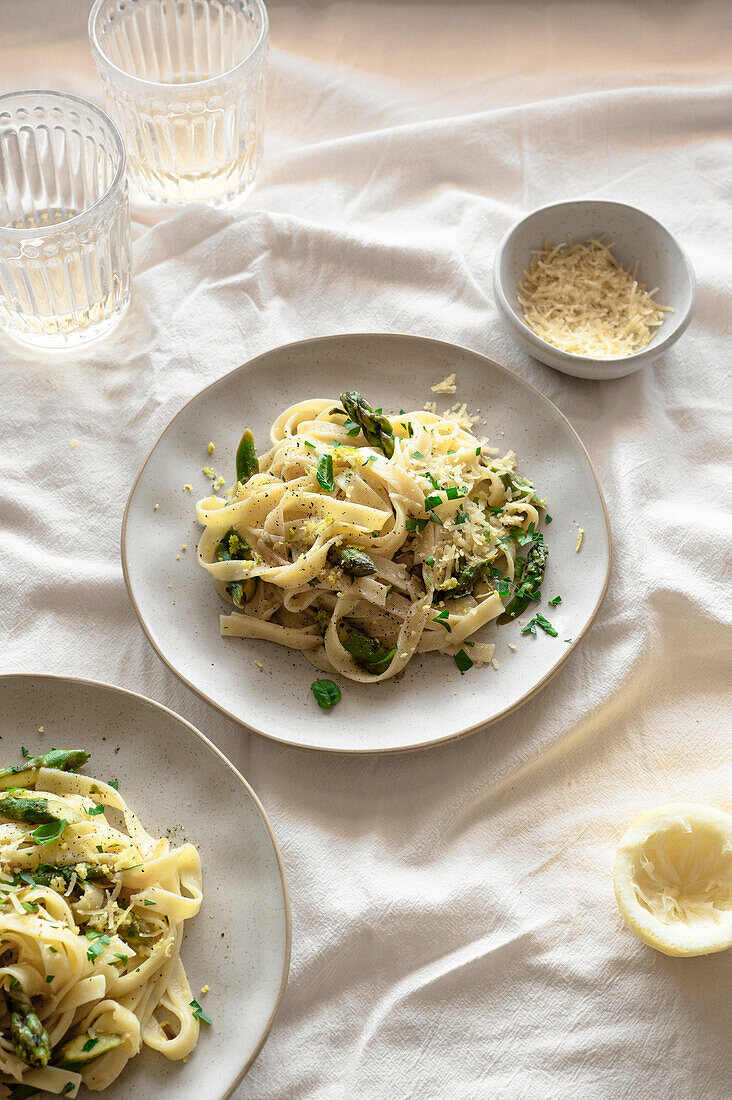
(352, 428)
(199, 1013)
(326, 693)
(95, 811)
(463, 662)
(555, 601)
(148, 902)
(307, 443)
(539, 621)
(442, 620)
(429, 561)
(413, 524)
(96, 948)
(418, 454)
(122, 958)
(324, 472)
(548, 518)
(453, 493)
(49, 978)
(461, 517)
(478, 450)
(432, 501)
(24, 752)
(29, 906)
(114, 783)
(46, 834)
(434, 518)
(89, 1045)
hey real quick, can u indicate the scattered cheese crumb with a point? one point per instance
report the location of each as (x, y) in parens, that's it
(177, 557)
(184, 546)
(431, 407)
(204, 988)
(74, 443)
(259, 665)
(580, 299)
(447, 385)
(211, 450)
(219, 482)
(494, 662)
(187, 489)
(155, 507)
(40, 729)
(512, 646)
(580, 536)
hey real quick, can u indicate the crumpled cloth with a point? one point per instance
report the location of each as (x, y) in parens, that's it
(455, 933)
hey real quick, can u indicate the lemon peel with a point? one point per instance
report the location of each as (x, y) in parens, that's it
(673, 879)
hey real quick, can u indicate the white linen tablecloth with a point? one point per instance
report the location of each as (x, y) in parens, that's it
(454, 927)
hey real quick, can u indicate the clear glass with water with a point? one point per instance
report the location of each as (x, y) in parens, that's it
(64, 220)
(185, 82)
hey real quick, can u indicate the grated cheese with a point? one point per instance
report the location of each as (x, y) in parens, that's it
(579, 298)
(447, 385)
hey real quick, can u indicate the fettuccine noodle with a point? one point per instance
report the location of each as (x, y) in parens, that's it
(442, 521)
(90, 932)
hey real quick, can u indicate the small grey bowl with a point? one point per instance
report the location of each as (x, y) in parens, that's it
(635, 236)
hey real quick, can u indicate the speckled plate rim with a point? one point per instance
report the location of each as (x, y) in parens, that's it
(86, 682)
(252, 364)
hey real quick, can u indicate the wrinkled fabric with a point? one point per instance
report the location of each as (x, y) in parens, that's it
(454, 927)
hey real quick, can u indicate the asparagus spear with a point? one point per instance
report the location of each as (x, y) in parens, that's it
(351, 560)
(45, 874)
(519, 486)
(30, 1038)
(82, 1049)
(31, 810)
(247, 462)
(23, 775)
(366, 651)
(466, 580)
(376, 428)
(22, 1092)
(531, 578)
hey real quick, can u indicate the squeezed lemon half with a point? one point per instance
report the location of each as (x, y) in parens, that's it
(673, 879)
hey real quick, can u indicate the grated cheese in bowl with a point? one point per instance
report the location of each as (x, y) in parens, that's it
(578, 297)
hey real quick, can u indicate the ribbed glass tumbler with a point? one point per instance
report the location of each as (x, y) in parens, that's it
(64, 220)
(185, 81)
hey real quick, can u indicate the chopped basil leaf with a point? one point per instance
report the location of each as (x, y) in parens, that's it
(442, 620)
(432, 501)
(453, 493)
(541, 622)
(122, 958)
(148, 902)
(199, 1013)
(429, 561)
(503, 589)
(434, 518)
(568, 639)
(548, 519)
(49, 978)
(29, 906)
(25, 752)
(96, 811)
(418, 454)
(326, 693)
(352, 427)
(412, 524)
(555, 601)
(46, 834)
(461, 516)
(463, 662)
(324, 472)
(478, 450)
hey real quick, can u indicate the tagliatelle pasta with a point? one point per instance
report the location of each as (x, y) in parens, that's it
(92, 910)
(362, 539)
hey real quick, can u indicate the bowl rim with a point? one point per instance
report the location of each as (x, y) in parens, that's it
(86, 681)
(255, 362)
(652, 350)
(139, 82)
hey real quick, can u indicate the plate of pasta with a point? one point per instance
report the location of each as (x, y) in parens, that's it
(348, 543)
(144, 920)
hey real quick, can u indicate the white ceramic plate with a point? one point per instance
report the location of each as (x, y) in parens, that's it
(177, 782)
(179, 609)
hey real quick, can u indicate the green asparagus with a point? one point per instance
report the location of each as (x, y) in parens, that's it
(22, 1092)
(530, 579)
(24, 775)
(47, 873)
(366, 651)
(30, 1038)
(247, 462)
(376, 428)
(351, 560)
(31, 810)
(82, 1049)
(467, 579)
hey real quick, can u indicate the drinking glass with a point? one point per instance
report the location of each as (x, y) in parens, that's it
(64, 220)
(185, 81)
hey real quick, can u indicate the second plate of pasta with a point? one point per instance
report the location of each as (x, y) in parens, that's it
(397, 517)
